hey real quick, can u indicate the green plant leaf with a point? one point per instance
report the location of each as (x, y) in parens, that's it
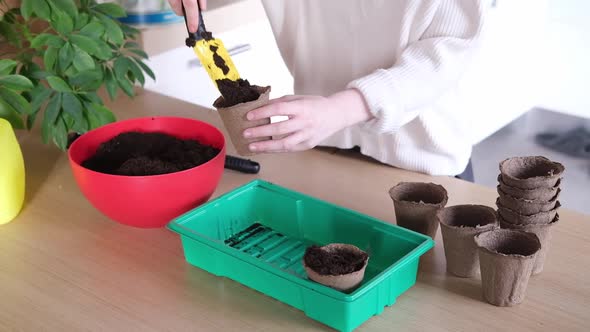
(62, 22)
(131, 44)
(92, 118)
(53, 108)
(7, 31)
(129, 31)
(71, 71)
(110, 83)
(92, 97)
(50, 58)
(140, 53)
(40, 75)
(93, 30)
(16, 101)
(103, 114)
(38, 96)
(111, 9)
(85, 76)
(55, 41)
(46, 130)
(87, 44)
(16, 82)
(60, 134)
(29, 69)
(40, 40)
(50, 117)
(104, 51)
(7, 66)
(66, 6)
(41, 9)
(145, 69)
(66, 55)
(81, 21)
(126, 86)
(82, 60)
(81, 127)
(113, 30)
(26, 8)
(106, 116)
(31, 120)
(11, 15)
(58, 84)
(137, 73)
(121, 67)
(10, 114)
(46, 39)
(72, 106)
(89, 80)
(69, 121)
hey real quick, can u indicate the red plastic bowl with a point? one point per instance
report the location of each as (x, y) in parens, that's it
(148, 201)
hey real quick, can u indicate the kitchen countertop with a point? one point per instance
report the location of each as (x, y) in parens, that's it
(65, 267)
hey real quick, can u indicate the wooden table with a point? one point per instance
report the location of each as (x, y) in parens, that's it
(65, 267)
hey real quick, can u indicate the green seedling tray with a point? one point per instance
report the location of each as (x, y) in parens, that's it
(257, 235)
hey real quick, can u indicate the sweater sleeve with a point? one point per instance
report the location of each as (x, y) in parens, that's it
(427, 67)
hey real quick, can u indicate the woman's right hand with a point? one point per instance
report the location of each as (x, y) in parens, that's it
(192, 11)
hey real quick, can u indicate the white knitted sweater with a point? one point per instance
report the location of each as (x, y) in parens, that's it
(405, 57)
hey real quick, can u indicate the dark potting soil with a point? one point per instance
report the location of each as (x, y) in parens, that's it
(233, 92)
(135, 153)
(335, 263)
(207, 35)
(236, 92)
(219, 62)
(191, 42)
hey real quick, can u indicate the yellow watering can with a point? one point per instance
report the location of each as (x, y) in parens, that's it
(12, 174)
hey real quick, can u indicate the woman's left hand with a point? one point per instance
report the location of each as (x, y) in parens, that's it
(311, 119)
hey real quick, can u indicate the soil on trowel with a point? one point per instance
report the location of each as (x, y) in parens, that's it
(139, 154)
(337, 262)
(233, 92)
(191, 42)
(219, 62)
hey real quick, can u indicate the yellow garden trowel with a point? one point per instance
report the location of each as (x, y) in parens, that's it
(211, 52)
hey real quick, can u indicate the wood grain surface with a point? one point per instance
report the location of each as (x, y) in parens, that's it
(65, 267)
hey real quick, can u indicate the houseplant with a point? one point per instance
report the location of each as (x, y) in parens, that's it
(65, 51)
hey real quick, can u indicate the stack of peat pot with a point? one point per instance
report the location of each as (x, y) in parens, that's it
(527, 210)
(529, 189)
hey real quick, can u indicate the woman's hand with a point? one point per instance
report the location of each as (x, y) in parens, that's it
(192, 11)
(311, 119)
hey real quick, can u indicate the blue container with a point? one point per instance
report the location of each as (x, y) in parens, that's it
(148, 12)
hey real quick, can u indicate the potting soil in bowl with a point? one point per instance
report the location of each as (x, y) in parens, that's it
(167, 144)
(140, 154)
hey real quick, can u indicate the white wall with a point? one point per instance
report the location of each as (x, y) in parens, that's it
(503, 82)
(567, 46)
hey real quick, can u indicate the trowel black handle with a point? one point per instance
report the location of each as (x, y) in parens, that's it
(241, 165)
(193, 37)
